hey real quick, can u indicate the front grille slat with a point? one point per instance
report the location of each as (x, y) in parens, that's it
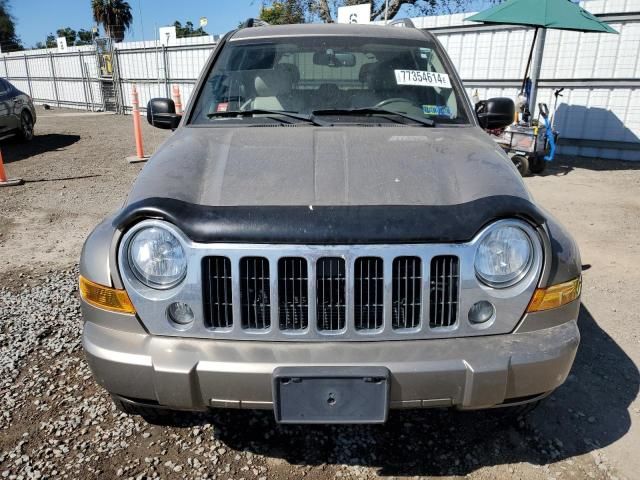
(407, 292)
(368, 279)
(216, 279)
(330, 293)
(444, 288)
(293, 303)
(255, 293)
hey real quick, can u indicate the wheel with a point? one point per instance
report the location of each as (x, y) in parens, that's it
(25, 131)
(522, 164)
(537, 163)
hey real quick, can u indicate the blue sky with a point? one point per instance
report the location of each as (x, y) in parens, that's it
(37, 18)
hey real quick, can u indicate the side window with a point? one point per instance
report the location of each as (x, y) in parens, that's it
(4, 87)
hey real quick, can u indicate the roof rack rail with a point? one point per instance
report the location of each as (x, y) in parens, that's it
(401, 22)
(254, 22)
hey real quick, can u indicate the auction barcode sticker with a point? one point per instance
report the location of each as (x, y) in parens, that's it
(421, 78)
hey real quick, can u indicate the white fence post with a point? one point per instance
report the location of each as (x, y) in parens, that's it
(55, 83)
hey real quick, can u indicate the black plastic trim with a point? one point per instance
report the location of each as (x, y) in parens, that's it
(331, 225)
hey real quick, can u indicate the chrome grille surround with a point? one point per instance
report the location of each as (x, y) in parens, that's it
(151, 304)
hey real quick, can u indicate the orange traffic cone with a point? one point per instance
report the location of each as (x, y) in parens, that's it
(137, 129)
(7, 182)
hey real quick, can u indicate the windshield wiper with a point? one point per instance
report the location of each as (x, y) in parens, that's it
(262, 111)
(375, 111)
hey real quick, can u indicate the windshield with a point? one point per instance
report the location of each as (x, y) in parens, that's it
(330, 78)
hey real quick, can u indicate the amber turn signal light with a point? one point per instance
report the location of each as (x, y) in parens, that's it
(106, 298)
(555, 296)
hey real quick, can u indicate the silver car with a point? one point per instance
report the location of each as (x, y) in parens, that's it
(329, 234)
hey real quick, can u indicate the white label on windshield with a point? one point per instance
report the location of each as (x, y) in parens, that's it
(422, 79)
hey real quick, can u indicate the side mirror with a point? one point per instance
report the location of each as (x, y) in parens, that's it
(495, 113)
(161, 113)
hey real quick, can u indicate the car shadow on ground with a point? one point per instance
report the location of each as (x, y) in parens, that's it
(588, 412)
(14, 151)
(564, 165)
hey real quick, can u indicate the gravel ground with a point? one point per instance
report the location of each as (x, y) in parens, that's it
(55, 422)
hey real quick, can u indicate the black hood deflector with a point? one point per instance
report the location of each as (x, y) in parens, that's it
(331, 225)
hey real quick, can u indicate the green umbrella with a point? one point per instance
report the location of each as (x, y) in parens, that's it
(558, 14)
(541, 14)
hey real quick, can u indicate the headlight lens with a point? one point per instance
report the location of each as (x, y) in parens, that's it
(157, 258)
(504, 256)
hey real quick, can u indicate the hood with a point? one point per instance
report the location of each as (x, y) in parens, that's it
(304, 165)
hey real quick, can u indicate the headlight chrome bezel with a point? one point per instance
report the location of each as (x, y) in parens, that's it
(535, 253)
(135, 269)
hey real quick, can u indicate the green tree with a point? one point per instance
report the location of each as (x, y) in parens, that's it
(298, 11)
(9, 41)
(188, 30)
(51, 42)
(284, 12)
(85, 37)
(68, 33)
(114, 15)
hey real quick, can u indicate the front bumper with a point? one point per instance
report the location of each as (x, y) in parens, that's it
(195, 374)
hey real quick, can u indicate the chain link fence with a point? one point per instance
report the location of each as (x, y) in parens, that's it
(98, 77)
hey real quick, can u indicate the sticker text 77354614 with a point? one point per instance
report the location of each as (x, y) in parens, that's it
(422, 78)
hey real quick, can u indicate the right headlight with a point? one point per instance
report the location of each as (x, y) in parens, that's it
(157, 258)
(504, 256)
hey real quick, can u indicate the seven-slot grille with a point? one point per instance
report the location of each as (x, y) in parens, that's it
(295, 298)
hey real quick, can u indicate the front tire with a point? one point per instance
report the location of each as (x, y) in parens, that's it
(25, 131)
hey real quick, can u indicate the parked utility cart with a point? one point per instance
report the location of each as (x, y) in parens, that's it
(329, 234)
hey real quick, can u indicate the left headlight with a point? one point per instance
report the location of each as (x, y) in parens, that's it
(504, 256)
(157, 258)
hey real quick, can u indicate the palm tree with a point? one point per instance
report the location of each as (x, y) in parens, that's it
(114, 15)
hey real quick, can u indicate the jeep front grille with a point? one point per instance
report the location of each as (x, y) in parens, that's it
(361, 290)
(316, 293)
(443, 291)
